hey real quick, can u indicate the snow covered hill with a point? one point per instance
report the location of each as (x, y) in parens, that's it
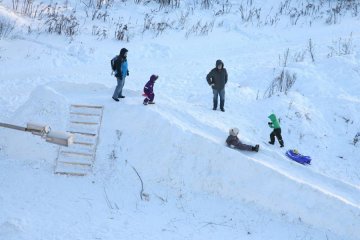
(163, 171)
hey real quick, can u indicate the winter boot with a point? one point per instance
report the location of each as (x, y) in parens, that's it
(281, 143)
(151, 102)
(272, 143)
(115, 99)
(222, 105)
(214, 105)
(256, 148)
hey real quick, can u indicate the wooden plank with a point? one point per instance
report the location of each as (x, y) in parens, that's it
(83, 111)
(77, 153)
(86, 149)
(85, 139)
(83, 143)
(85, 106)
(78, 170)
(85, 123)
(75, 163)
(70, 173)
(82, 133)
(85, 114)
(85, 118)
(89, 129)
(75, 159)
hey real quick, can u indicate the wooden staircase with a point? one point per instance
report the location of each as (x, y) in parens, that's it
(84, 123)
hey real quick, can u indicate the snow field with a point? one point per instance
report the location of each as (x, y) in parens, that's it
(194, 187)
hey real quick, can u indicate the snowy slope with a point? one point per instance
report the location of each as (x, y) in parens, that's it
(195, 187)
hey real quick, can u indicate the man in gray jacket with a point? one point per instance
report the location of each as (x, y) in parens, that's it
(217, 78)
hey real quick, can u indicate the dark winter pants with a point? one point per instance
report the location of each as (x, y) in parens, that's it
(220, 93)
(276, 133)
(119, 87)
(150, 97)
(243, 146)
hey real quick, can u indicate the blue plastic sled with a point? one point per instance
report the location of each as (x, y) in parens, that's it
(294, 155)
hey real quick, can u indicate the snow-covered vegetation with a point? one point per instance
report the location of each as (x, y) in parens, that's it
(163, 171)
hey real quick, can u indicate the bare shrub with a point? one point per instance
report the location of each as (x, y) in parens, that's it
(333, 15)
(284, 81)
(26, 7)
(225, 8)
(161, 27)
(97, 10)
(101, 33)
(271, 19)
(148, 22)
(341, 47)
(283, 60)
(156, 27)
(62, 24)
(6, 27)
(15, 4)
(356, 138)
(355, 10)
(162, 3)
(99, 15)
(294, 16)
(299, 56)
(311, 50)
(184, 16)
(305, 11)
(121, 32)
(97, 4)
(206, 4)
(340, 8)
(200, 29)
(249, 13)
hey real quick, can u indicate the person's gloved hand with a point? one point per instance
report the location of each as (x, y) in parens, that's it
(127, 73)
(269, 123)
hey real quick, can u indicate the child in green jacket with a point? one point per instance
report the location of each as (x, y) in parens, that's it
(276, 132)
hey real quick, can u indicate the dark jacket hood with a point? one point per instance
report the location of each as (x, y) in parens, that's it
(154, 77)
(218, 62)
(123, 51)
(272, 117)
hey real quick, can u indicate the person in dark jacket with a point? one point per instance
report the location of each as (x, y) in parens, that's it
(121, 71)
(233, 141)
(276, 132)
(149, 90)
(217, 78)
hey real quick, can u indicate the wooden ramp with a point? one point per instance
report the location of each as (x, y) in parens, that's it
(84, 123)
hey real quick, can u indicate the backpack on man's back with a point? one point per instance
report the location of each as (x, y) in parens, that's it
(115, 65)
